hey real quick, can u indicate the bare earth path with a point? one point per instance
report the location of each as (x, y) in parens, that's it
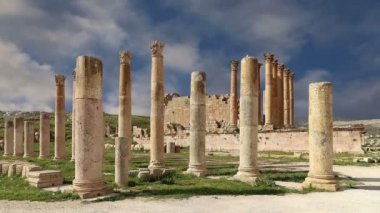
(365, 199)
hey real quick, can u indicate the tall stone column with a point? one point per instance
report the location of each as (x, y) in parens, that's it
(18, 149)
(44, 135)
(73, 120)
(28, 139)
(280, 92)
(157, 108)
(8, 138)
(123, 144)
(286, 98)
(274, 93)
(268, 105)
(197, 163)
(89, 128)
(59, 136)
(258, 88)
(248, 120)
(291, 99)
(321, 138)
(233, 94)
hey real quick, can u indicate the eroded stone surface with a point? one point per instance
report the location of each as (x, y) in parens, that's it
(59, 133)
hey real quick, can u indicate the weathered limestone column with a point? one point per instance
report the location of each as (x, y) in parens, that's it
(89, 132)
(28, 139)
(157, 108)
(8, 138)
(73, 121)
(197, 163)
(258, 88)
(291, 99)
(275, 96)
(44, 135)
(286, 98)
(18, 149)
(59, 139)
(248, 120)
(124, 140)
(268, 105)
(321, 138)
(280, 92)
(233, 94)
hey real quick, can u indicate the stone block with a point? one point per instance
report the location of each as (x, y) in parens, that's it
(4, 168)
(19, 168)
(170, 147)
(29, 168)
(11, 170)
(46, 178)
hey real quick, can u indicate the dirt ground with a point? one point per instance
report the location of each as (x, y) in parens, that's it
(364, 199)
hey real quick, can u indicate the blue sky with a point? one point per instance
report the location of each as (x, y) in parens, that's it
(319, 40)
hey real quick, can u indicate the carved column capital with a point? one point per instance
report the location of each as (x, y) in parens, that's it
(157, 47)
(269, 57)
(125, 57)
(60, 80)
(234, 65)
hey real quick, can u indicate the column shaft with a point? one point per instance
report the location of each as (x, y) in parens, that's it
(233, 94)
(59, 136)
(89, 127)
(124, 141)
(286, 98)
(321, 137)
(291, 100)
(28, 139)
(268, 89)
(248, 120)
(258, 88)
(44, 135)
(280, 92)
(8, 138)
(18, 149)
(197, 162)
(157, 108)
(73, 121)
(274, 93)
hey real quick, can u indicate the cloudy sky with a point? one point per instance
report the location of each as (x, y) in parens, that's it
(319, 40)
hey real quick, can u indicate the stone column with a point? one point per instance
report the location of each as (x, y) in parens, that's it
(73, 121)
(8, 138)
(286, 98)
(233, 94)
(291, 99)
(280, 92)
(321, 138)
(157, 108)
(123, 144)
(18, 149)
(44, 135)
(28, 139)
(197, 163)
(59, 136)
(248, 120)
(274, 93)
(268, 105)
(258, 86)
(89, 128)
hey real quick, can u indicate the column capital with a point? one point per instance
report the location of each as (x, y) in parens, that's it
(269, 57)
(281, 67)
(157, 47)
(234, 65)
(125, 57)
(286, 72)
(275, 62)
(60, 80)
(291, 74)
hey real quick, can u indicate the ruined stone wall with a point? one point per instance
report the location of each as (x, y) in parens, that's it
(177, 109)
(295, 140)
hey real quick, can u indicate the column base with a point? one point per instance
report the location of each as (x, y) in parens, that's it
(90, 189)
(156, 170)
(43, 157)
(268, 127)
(247, 175)
(325, 184)
(7, 155)
(197, 171)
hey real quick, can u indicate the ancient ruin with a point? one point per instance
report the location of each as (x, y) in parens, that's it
(124, 139)
(89, 133)
(197, 161)
(8, 138)
(157, 108)
(18, 136)
(321, 138)
(59, 141)
(248, 120)
(73, 121)
(44, 135)
(28, 139)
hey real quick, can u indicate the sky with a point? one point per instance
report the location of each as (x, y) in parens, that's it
(320, 40)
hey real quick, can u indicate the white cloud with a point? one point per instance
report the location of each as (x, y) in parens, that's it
(17, 8)
(182, 57)
(24, 84)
